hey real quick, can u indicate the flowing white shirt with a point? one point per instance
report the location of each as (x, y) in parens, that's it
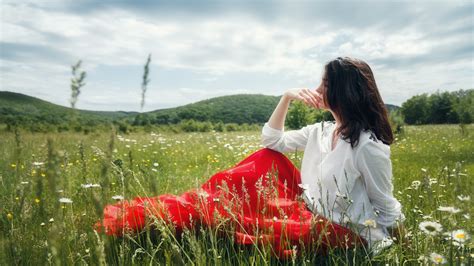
(350, 186)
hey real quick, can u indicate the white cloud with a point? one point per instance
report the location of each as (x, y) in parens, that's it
(226, 48)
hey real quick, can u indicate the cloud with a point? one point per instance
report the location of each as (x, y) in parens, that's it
(208, 48)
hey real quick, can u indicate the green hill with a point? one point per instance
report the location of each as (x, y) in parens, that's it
(239, 108)
(24, 104)
(17, 108)
(20, 109)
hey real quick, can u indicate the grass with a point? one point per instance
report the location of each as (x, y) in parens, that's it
(432, 167)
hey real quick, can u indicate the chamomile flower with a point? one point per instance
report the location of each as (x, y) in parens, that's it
(90, 185)
(464, 198)
(370, 223)
(460, 236)
(65, 200)
(430, 228)
(437, 258)
(449, 209)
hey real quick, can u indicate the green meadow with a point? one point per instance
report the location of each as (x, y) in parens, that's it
(53, 187)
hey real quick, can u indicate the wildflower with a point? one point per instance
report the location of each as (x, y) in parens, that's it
(51, 220)
(430, 228)
(10, 216)
(437, 258)
(452, 210)
(90, 185)
(423, 170)
(460, 236)
(24, 183)
(38, 163)
(216, 199)
(415, 184)
(42, 224)
(37, 200)
(275, 218)
(117, 197)
(464, 198)
(370, 223)
(65, 200)
(155, 164)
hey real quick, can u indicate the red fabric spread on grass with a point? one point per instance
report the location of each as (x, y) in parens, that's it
(259, 193)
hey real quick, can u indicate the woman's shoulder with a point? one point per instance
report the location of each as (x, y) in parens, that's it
(369, 142)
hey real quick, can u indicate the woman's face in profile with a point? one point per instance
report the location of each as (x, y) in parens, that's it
(321, 90)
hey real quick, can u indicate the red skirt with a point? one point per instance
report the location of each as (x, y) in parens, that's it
(258, 197)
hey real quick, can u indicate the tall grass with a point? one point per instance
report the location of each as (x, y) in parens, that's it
(432, 166)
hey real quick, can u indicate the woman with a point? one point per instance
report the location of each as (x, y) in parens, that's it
(346, 169)
(341, 198)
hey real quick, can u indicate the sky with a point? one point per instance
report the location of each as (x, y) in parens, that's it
(205, 49)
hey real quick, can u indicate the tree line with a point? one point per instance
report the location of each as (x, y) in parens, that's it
(440, 108)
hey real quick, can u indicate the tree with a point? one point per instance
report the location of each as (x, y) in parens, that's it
(415, 110)
(299, 115)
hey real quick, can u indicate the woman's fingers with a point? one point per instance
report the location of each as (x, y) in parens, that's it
(318, 97)
(310, 97)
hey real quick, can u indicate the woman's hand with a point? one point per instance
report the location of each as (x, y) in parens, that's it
(309, 97)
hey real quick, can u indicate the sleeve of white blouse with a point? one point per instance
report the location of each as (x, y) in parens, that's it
(285, 141)
(375, 166)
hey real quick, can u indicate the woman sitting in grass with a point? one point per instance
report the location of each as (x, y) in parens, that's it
(346, 169)
(342, 197)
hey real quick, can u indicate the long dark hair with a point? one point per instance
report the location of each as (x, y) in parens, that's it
(352, 94)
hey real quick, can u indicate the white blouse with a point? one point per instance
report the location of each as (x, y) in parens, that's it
(351, 187)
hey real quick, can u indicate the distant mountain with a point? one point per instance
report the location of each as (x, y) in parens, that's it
(239, 108)
(391, 107)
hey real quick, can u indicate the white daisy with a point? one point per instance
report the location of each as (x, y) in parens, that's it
(448, 209)
(65, 200)
(415, 184)
(370, 223)
(459, 236)
(117, 197)
(437, 258)
(90, 185)
(464, 198)
(430, 228)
